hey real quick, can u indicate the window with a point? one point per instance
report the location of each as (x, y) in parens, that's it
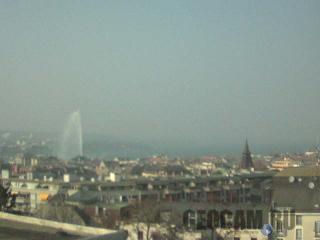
(298, 234)
(317, 228)
(254, 238)
(236, 238)
(298, 220)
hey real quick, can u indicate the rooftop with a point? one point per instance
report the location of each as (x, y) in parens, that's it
(307, 171)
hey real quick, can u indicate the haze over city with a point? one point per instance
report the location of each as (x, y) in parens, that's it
(183, 75)
(160, 120)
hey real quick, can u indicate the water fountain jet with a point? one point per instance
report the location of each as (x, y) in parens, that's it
(72, 142)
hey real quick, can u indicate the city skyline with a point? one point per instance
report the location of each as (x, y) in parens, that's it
(160, 120)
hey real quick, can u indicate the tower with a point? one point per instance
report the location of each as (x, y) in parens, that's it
(246, 162)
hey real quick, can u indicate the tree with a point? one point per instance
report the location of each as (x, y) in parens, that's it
(148, 219)
(7, 200)
(145, 215)
(171, 222)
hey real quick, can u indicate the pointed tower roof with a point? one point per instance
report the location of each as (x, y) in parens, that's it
(246, 146)
(246, 161)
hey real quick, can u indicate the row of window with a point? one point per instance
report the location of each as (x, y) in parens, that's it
(316, 224)
(280, 229)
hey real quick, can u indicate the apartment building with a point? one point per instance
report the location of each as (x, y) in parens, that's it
(295, 211)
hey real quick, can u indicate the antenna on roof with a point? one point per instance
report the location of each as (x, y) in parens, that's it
(311, 185)
(291, 179)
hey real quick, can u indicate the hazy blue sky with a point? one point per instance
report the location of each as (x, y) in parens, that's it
(194, 72)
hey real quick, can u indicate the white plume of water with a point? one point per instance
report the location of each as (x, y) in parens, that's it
(71, 143)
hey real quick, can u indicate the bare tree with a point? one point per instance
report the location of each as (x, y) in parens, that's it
(144, 216)
(172, 225)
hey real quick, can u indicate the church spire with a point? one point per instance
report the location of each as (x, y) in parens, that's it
(246, 161)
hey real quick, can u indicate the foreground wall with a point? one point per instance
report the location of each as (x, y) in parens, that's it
(66, 227)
